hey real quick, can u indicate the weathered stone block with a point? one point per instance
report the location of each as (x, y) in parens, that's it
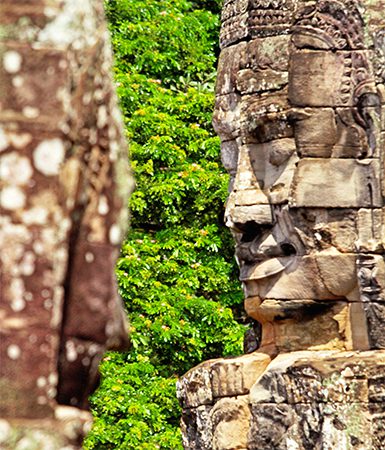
(315, 131)
(278, 180)
(220, 378)
(250, 169)
(264, 118)
(194, 388)
(97, 300)
(229, 157)
(323, 376)
(27, 300)
(229, 64)
(358, 133)
(371, 230)
(377, 411)
(264, 173)
(271, 18)
(310, 81)
(324, 325)
(355, 183)
(306, 427)
(230, 419)
(375, 313)
(233, 8)
(321, 229)
(270, 52)
(226, 116)
(28, 372)
(249, 197)
(249, 81)
(269, 426)
(235, 376)
(371, 275)
(65, 430)
(27, 98)
(197, 428)
(78, 368)
(254, 213)
(233, 29)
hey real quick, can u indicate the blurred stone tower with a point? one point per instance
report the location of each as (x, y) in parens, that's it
(64, 181)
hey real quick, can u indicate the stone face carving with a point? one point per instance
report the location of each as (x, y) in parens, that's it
(64, 182)
(299, 111)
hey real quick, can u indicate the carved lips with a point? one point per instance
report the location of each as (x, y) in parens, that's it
(264, 256)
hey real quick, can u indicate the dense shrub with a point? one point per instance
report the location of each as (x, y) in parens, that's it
(176, 272)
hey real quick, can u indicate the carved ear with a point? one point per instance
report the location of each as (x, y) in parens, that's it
(368, 100)
(368, 114)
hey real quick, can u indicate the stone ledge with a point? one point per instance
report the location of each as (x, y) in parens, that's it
(65, 431)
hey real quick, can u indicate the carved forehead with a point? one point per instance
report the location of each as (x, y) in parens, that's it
(268, 72)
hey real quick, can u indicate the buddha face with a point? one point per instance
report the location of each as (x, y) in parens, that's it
(298, 118)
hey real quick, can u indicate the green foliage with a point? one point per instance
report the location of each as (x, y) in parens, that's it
(176, 272)
(136, 407)
(176, 284)
(165, 39)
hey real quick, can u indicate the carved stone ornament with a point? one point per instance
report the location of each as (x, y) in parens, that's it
(300, 113)
(64, 182)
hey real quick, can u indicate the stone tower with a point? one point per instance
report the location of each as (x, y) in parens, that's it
(299, 110)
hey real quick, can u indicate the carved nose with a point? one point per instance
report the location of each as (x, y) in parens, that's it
(258, 249)
(247, 202)
(263, 246)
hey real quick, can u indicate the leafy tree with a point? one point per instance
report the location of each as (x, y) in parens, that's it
(176, 272)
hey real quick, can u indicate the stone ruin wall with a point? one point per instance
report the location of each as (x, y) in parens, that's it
(300, 113)
(64, 182)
